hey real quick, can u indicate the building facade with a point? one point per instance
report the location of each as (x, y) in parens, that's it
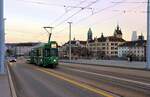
(106, 46)
(135, 49)
(77, 49)
(19, 49)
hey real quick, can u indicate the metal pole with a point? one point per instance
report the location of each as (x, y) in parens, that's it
(70, 41)
(96, 48)
(148, 36)
(2, 39)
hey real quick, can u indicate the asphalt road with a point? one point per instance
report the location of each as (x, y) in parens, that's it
(75, 80)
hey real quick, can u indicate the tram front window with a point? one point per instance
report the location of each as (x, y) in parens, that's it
(53, 52)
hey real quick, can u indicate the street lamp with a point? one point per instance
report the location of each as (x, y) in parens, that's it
(2, 38)
(148, 36)
(70, 41)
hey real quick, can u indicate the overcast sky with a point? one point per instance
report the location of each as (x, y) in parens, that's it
(25, 18)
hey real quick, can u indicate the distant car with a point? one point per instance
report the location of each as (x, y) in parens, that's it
(12, 59)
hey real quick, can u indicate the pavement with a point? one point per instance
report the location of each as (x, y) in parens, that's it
(77, 80)
(4, 86)
(109, 63)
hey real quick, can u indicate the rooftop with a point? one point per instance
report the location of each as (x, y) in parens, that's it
(23, 44)
(137, 43)
(110, 38)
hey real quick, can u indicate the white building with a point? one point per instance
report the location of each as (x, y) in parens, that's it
(77, 48)
(135, 49)
(123, 51)
(20, 49)
(106, 46)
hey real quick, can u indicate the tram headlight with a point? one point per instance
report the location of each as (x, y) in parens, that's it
(54, 60)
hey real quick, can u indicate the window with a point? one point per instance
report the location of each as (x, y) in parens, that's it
(47, 52)
(53, 45)
(53, 52)
(103, 48)
(112, 52)
(112, 48)
(112, 43)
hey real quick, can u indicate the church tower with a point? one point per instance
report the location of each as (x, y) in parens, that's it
(89, 35)
(118, 32)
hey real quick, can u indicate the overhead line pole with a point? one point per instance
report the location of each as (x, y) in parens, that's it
(148, 36)
(70, 41)
(2, 38)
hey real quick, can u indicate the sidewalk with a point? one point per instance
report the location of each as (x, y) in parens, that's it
(4, 86)
(109, 63)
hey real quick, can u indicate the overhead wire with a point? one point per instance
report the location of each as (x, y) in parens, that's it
(101, 10)
(41, 3)
(76, 13)
(83, 19)
(67, 12)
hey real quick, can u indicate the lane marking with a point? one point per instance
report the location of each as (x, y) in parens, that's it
(87, 87)
(113, 77)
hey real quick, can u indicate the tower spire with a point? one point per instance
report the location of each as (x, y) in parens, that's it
(89, 35)
(118, 32)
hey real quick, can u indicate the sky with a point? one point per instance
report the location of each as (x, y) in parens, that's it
(25, 19)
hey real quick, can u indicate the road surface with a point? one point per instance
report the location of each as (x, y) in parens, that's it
(76, 80)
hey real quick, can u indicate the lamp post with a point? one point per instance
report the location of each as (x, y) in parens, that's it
(70, 41)
(2, 38)
(148, 36)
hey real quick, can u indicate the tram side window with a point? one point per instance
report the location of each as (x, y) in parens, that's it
(47, 52)
(39, 52)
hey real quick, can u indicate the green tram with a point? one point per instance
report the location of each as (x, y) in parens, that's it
(45, 55)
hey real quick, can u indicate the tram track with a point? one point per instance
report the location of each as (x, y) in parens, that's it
(105, 82)
(98, 85)
(127, 84)
(106, 72)
(90, 80)
(89, 83)
(80, 84)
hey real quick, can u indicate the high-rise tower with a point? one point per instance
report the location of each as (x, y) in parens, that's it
(134, 36)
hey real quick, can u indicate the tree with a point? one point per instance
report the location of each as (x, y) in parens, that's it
(9, 52)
